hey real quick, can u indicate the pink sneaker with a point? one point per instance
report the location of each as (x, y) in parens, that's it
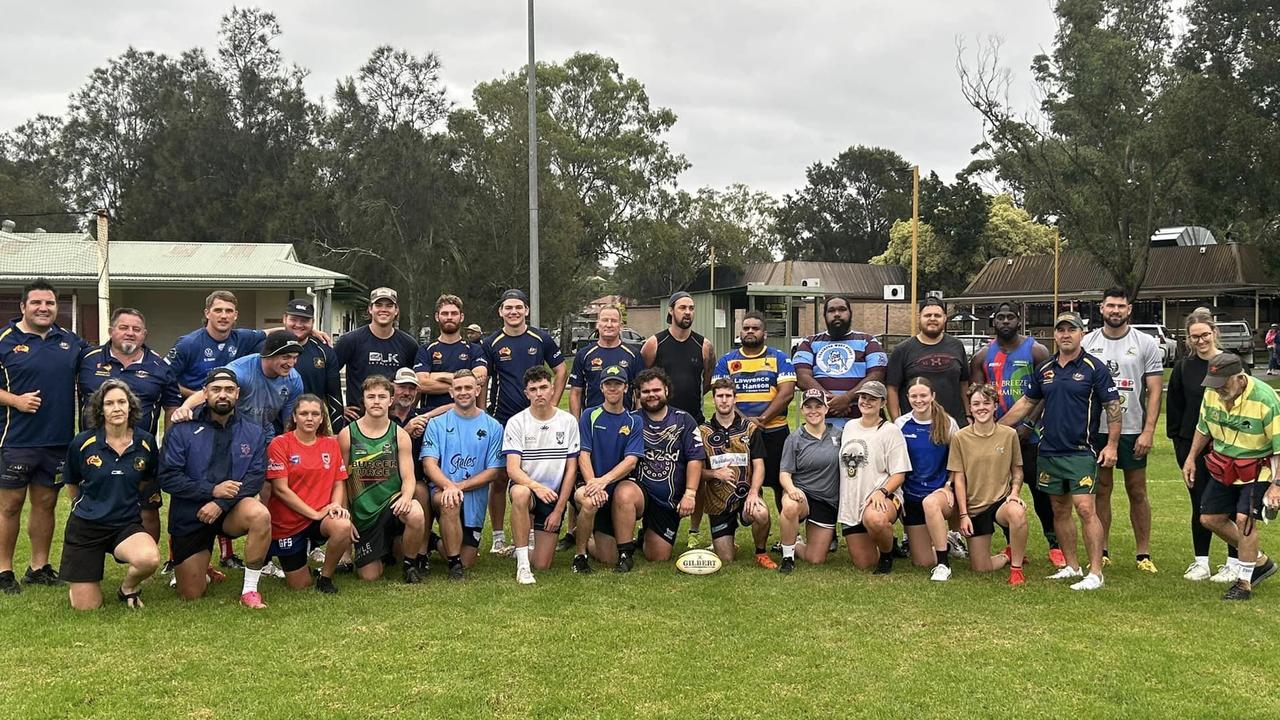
(1016, 577)
(252, 600)
(1057, 558)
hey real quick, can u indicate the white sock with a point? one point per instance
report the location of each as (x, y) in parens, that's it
(1246, 570)
(1233, 562)
(499, 536)
(1203, 561)
(522, 557)
(250, 581)
(789, 551)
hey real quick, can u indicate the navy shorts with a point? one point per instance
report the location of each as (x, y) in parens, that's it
(292, 551)
(662, 521)
(20, 467)
(86, 542)
(604, 515)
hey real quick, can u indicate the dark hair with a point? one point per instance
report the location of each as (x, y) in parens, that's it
(38, 284)
(1115, 292)
(651, 374)
(291, 423)
(723, 383)
(537, 373)
(115, 315)
(754, 315)
(827, 302)
(97, 418)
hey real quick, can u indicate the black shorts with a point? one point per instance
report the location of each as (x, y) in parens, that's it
(773, 442)
(1219, 499)
(183, 547)
(912, 511)
(821, 513)
(292, 551)
(540, 511)
(861, 529)
(984, 523)
(85, 542)
(471, 536)
(726, 524)
(603, 523)
(662, 521)
(20, 467)
(375, 543)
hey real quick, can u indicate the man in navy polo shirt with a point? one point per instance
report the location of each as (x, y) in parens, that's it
(438, 361)
(38, 362)
(317, 363)
(1074, 387)
(213, 345)
(591, 360)
(127, 358)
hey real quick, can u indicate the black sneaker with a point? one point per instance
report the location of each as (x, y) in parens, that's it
(833, 546)
(232, 561)
(326, 586)
(776, 548)
(168, 568)
(581, 565)
(885, 565)
(625, 563)
(412, 575)
(424, 564)
(9, 584)
(1263, 572)
(901, 550)
(566, 542)
(787, 565)
(457, 572)
(1238, 592)
(346, 567)
(44, 576)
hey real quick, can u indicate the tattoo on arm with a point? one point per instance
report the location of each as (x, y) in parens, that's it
(1113, 411)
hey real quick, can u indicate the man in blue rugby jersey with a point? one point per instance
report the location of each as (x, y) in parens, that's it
(215, 344)
(439, 360)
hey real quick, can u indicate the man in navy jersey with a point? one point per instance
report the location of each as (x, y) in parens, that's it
(591, 360)
(438, 361)
(509, 353)
(126, 357)
(317, 363)
(378, 348)
(38, 363)
(214, 345)
(671, 469)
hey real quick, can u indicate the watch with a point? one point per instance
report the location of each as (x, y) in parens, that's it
(884, 491)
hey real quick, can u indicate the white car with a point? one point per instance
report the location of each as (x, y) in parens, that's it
(1164, 338)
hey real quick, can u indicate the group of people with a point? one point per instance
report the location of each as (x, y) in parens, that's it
(261, 442)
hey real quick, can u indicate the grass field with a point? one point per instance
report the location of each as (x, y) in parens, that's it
(744, 643)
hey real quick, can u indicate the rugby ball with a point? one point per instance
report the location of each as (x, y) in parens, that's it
(698, 562)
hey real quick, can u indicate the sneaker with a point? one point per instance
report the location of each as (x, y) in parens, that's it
(214, 574)
(1090, 582)
(412, 575)
(346, 567)
(317, 555)
(901, 549)
(232, 561)
(46, 575)
(424, 564)
(167, 569)
(581, 565)
(1225, 574)
(457, 572)
(766, 562)
(173, 581)
(694, 541)
(1263, 572)
(788, 564)
(270, 570)
(1146, 566)
(1238, 591)
(1196, 572)
(832, 546)
(625, 563)
(884, 566)
(956, 546)
(1057, 558)
(502, 549)
(252, 600)
(941, 573)
(9, 584)
(566, 542)
(326, 586)
(776, 548)
(1066, 573)
(1016, 577)
(524, 576)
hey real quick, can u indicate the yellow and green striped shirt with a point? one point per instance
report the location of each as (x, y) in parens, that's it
(1251, 429)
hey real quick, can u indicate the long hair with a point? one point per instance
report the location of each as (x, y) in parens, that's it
(292, 423)
(940, 432)
(97, 418)
(1202, 316)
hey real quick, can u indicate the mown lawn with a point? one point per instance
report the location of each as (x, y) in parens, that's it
(826, 641)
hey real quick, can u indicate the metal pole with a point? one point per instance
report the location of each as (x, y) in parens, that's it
(534, 293)
(915, 241)
(713, 267)
(104, 276)
(1057, 251)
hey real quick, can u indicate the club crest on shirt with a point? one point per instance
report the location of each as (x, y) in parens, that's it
(139, 464)
(1077, 376)
(533, 351)
(559, 437)
(437, 356)
(64, 345)
(295, 459)
(93, 461)
(208, 352)
(596, 362)
(504, 353)
(245, 450)
(325, 460)
(624, 430)
(21, 348)
(141, 374)
(318, 362)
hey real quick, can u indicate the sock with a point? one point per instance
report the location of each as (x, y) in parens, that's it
(433, 543)
(1015, 567)
(454, 560)
(570, 538)
(788, 551)
(941, 555)
(522, 557)
(1053, 545)
(1106, 552)
(1144, 556)
(1203, 561)
(250, 580)
(499, 536)
(761, 550)
(225, 549)
(695, 530)
(1233, 562)
(626, 548)
(1246, 571)
(423, 561)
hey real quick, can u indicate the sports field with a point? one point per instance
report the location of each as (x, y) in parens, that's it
(745, 642)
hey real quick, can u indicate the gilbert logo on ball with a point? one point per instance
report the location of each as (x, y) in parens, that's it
(698, 562)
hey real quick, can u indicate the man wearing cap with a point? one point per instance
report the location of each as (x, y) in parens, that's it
(838, 361)
(474, 333)
(214, 344)
(317, 363)
(436, 363)
(1006, 364)
(126, 357)
(1241, 417)
(213, 467)
(509, 353)
(378, 348)
(1074, 387)
(268, 384)
(934, 355)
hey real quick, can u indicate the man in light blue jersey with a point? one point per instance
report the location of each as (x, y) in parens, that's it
(269, 384)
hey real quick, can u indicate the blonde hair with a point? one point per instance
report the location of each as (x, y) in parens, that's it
(940, 430)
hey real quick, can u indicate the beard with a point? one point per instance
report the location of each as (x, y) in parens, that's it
(931, 333)
(653, 405)
(449, 328)
(1007, 333)
(1115, 321)
(684, 323)
(838, 327)
(128, 348)
(753, 343)
(222, 406)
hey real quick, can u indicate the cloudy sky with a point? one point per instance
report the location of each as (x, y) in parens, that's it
(762, 89)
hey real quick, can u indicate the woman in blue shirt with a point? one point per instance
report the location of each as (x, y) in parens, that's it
(110, 470)
(927, 498)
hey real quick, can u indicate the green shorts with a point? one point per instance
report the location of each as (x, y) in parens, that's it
(1124, 452)
(1067, 474)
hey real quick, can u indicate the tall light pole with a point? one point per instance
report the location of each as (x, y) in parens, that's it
(915, 240)
(534, 293)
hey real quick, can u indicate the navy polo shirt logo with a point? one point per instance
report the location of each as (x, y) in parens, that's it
(139, 464)
(318, 362)
(93, 461)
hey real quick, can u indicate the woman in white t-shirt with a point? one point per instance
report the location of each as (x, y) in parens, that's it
(874, 464)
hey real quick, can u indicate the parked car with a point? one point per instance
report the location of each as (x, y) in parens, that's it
(1164, 338)
(629, 337)
(1236, 336)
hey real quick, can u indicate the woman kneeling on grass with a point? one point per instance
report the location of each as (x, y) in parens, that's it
(809, 472)
(927, 498)
(308, 505)
(986, 466)
(110, 469)
(873, 456)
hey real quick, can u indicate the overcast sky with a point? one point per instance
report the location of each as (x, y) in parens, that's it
(762, 88)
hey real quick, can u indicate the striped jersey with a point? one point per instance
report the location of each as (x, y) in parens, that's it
(755, 379)
(839, 365)
(544, 446)
(1250, 429)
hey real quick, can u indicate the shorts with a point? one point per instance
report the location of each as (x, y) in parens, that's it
(20, 467)
(861, 529)
(186, 546)
(375, 543)
(604, 515)
(1067, 474)
(662, 521)
(1124, 452)
(1219, 499)
(727, 523)
(774, 440)
(292, 551)
(85, 542)
(540, 511)
(471, 536)
(984, 523)
(821, 513)
(912, 511)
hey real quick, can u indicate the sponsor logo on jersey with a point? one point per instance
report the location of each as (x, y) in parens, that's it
(21, 348)
(295, 459)
(245, 450)
(93, 461)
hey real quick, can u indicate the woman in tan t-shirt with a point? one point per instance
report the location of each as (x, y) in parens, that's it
(986, 469)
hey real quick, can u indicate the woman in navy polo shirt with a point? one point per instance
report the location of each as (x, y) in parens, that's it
(110, 470)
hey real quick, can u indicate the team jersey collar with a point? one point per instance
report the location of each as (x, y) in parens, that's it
(55, 330)
(106, 353)
(100, 443)
(738, 421)
(764, 350)
(1078, 360)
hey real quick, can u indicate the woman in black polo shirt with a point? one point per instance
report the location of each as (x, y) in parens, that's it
(110, 470)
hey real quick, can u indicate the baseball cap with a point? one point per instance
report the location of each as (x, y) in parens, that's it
(406, 376)
(1222, 366)
(474, 328)
(383, 293)
(814, 394)
(613, 373)
(677, 296)
(280, 342)
(515, 294)
(1069, 317)
(221, 373)
(301, 308)
(874, 388)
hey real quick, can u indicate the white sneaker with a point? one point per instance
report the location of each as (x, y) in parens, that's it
(1196, 572)
(956, 547)
(1090, 582)
(1066, 573)
(501, 548)
(524, 576)
(1226, 574)
(941, 573)
(270, 570)
(317, 555)
(173, 580)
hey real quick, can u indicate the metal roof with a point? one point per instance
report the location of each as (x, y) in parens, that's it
(855, 280)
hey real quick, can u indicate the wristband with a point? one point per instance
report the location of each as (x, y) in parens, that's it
(964, 515)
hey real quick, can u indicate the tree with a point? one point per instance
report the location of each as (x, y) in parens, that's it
(845, 210)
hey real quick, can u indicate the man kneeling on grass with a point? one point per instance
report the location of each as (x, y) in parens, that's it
(213, 468)
(734, 474)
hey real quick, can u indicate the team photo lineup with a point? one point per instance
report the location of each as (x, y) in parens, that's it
(923, 453)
